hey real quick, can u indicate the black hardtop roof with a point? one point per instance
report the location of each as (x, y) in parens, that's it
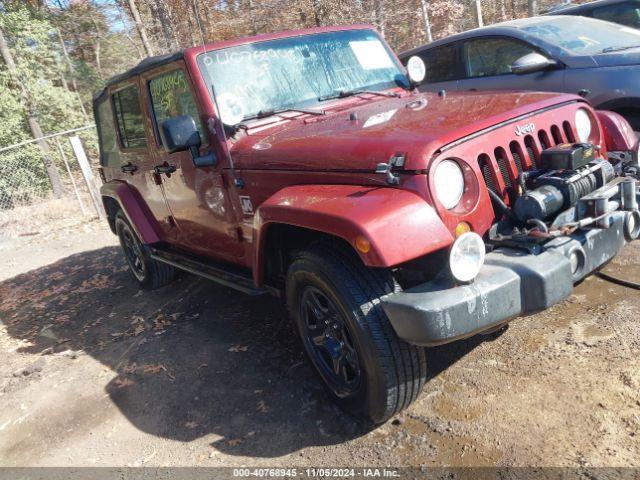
(144, 65)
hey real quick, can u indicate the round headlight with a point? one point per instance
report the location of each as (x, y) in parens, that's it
(583, 125)
(467, 257)
(448, 181)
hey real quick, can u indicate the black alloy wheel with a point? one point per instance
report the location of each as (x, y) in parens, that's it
(330, 343)
(132, 251)
(148, 272)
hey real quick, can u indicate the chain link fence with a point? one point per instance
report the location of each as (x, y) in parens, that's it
(27, 201)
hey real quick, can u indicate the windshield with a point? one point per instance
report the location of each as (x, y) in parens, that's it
(297, 71)
(585, 36)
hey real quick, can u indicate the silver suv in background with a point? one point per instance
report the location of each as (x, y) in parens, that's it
(594, 58)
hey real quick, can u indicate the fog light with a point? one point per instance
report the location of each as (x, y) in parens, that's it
(632, 225)
(466, 257)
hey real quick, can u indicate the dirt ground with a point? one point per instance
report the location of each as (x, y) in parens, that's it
(96, 372)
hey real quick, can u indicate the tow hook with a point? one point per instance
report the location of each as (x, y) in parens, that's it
(396, 160)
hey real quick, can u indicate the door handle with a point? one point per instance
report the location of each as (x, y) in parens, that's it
(473, 89)
(165, 168)
(129, 168)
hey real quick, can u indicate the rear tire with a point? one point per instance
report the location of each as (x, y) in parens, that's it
(334, 301)
(149, 273)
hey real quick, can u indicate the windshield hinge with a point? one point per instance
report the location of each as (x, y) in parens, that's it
(396, 160)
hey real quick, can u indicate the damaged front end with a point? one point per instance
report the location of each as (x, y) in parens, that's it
(563, 207)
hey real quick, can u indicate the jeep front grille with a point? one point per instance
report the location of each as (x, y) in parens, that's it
(501, 167)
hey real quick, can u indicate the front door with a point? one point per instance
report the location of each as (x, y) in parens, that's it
(442, 68)
(487, 64)
(197, 197)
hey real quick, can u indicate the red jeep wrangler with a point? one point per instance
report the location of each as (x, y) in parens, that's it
(306, 165)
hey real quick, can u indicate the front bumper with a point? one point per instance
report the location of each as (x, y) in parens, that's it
(511, 283)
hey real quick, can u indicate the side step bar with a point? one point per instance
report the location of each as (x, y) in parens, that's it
(228, 276)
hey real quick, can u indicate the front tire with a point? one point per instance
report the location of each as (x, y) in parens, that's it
(149, 273)
(334, 301)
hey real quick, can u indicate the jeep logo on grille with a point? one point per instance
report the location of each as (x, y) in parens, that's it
(524, 129)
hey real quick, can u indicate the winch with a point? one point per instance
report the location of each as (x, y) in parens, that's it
(567, 173)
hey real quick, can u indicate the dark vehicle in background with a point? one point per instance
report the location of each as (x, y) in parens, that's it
(624, 12)
(599, 60)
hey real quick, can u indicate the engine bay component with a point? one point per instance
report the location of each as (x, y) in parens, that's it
(572, 173)
(567, 156)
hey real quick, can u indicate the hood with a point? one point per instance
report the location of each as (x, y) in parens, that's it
(618, 59)
(361, 133)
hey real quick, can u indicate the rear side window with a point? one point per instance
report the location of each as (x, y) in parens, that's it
(493, 56)
(622, 13)
(129, 116)
(441, 63)
(109, 152)
(172, 97)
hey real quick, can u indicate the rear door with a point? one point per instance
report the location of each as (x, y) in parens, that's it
(487, 66)
(136, 163)
(197, 197)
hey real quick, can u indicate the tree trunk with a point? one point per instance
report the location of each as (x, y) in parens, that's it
(533, 8)
(126, 31)
(74, 84)
(378, 13)
(427, 23)
(479, 13)
(318, 13)
(140, 26)
(252, 18)
(34, 126)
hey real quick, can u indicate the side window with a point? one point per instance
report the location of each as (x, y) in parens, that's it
(492, 56)
(172, 97)
(109, 152)
(129, 117)
(622, 13)
(441, 64)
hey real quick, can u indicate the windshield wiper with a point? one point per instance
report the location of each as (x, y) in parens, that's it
(269, 113)
(618, 49)
(351, 93)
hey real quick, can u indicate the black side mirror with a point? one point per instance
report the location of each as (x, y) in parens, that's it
(531, 63)
(179, 134)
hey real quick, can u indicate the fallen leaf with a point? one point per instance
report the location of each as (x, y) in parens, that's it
(161, 323)
(262, 407)
(235, 441)
(191, 425)
(130, 368)
(154, 368)
(138, 330)
(239, 348)
(123, 382)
